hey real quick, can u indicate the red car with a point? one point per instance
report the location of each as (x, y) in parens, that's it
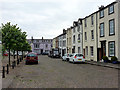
(5, 54)
(31, 58)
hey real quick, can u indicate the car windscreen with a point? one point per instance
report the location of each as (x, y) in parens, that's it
(56, 52)
(79, 55)
(31, 55)
(70, 55)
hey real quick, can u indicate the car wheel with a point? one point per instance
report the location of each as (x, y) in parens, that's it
(37, 62)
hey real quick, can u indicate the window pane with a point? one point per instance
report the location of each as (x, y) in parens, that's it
(111, 49)
(111, 25)
(91, 51)
(92, 34)
(111, 9)
(101, 13)
(102, 29)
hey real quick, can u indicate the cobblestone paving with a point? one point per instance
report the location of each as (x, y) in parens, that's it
(55, 73)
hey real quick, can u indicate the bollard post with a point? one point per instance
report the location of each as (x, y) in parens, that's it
(12, 65)
(20, 59)
(15, 63)
(3, 72)
(7, 69)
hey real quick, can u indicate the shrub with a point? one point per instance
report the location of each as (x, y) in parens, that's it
(105, 58)
(114, 58)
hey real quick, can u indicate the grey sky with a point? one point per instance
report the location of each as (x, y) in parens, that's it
(46, 18)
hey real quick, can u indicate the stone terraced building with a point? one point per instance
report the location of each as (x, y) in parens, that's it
(99, 34)
(40, 46)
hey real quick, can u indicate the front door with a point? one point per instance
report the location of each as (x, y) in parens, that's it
(63, 52)
(84, 51)
(41, 51)
(103, 49)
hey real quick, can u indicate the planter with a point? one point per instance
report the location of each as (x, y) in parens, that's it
(115, 62)
(105, 61)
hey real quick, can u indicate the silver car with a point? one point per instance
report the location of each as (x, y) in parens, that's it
(66, 57)
(77, 58)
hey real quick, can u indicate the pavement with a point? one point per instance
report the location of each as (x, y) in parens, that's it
(10, 77)
(109, 65)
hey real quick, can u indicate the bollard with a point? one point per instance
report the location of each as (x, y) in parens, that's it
(7, 69)
(17, 61)
(3, 72)
(12, 65)
(20, 59)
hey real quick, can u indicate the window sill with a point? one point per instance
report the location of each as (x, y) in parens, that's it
(102, 36)
(110, 13)
(101, 17)
(92, 25)
(111, 34)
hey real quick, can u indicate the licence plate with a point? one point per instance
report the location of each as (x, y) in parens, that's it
(79, 59)
(31, 58)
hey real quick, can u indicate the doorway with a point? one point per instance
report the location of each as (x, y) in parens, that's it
(41, 51)
(103, 49)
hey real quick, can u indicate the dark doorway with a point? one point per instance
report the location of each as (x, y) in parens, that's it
(99, 54)
(73, 50)
(103, 49)
(63, 52)
(84, 52)
(41, 51)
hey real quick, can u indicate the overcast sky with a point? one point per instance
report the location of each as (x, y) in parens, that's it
(46, 18)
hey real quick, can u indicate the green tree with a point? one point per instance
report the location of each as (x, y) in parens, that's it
(13, 39)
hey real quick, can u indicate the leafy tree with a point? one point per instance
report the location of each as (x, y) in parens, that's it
(13, 39)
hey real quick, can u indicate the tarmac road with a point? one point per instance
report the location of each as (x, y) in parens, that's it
(55, 73)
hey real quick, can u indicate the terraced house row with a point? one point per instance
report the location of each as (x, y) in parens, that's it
(95, 35)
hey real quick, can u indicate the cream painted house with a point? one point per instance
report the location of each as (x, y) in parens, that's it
(90, 37)
(109, 30)
(101, 33)
(69, 40)
(54, 43)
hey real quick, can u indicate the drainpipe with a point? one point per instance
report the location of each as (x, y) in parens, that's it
(97, 35)
(82, 37)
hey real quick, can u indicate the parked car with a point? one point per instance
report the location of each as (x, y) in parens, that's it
(50, 54)
(66, 57)
(44, 53)
(20, 53)
(11, 53)
(5, 54)
(55, 53)
(77, 58)
(31, 58)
